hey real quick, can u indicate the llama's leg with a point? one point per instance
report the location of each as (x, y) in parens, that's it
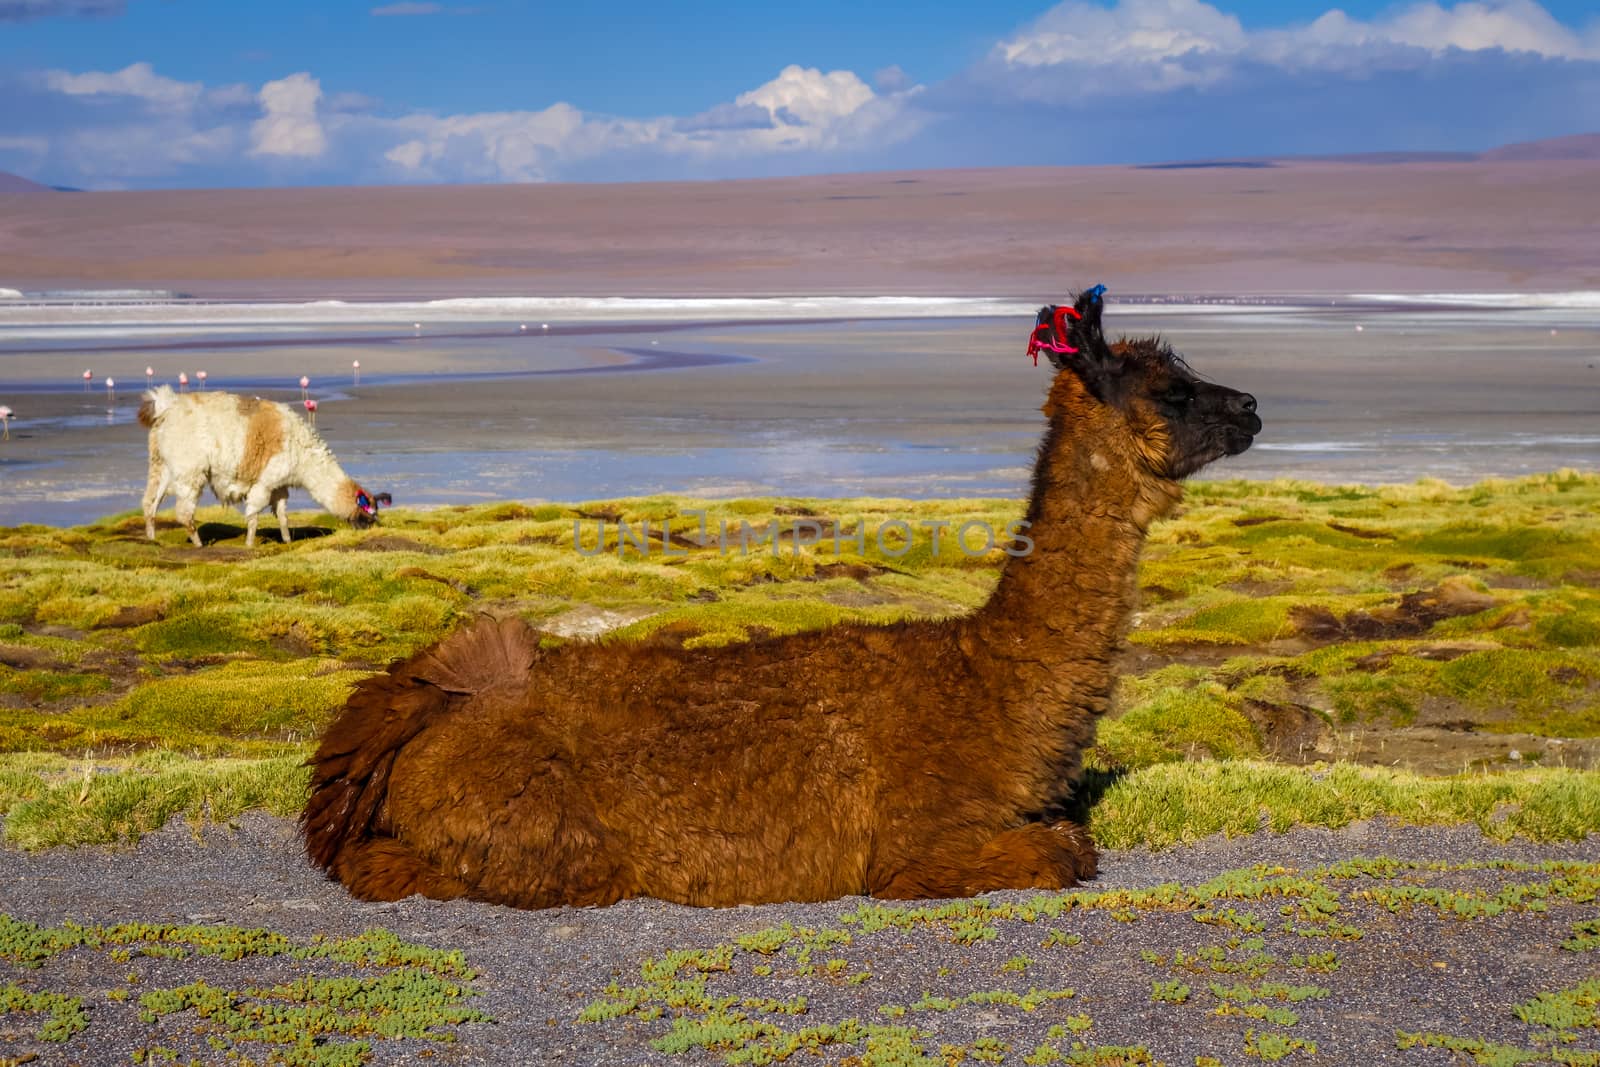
(188, 499)
(155, 490)
(255, 502)
(383, 868)
(280, 505)
(1035, 856)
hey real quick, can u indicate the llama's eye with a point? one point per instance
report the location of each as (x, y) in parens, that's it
(1179, 396)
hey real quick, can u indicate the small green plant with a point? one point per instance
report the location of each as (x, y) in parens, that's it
(64, 1015)
(1169, 992)
(1271, 1046)
(1585, 937)
(313, 1021)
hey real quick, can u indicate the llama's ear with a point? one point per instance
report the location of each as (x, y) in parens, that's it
(1085, 334)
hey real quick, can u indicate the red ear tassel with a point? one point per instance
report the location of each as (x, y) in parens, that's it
(1061, 321)
(1041, 336)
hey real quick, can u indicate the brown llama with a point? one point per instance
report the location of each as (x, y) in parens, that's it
(919, 759)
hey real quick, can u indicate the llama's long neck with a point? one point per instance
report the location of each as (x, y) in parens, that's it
(1054, 623)
(326, 481)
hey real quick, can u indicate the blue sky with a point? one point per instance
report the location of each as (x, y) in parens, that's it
(164, 93)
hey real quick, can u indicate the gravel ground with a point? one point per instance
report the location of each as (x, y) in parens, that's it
(1416, 971)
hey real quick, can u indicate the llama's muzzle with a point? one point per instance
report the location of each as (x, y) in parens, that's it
(1245, 423)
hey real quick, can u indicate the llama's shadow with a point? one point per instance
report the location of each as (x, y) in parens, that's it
(1091, 787)
(212, 533)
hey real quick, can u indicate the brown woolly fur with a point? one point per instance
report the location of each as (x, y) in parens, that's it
(919, 759)
(263, 438)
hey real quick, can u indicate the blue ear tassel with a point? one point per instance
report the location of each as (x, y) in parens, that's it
(1096, 293)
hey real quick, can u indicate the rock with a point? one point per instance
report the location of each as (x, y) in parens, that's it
(1291, 732)
(589, 621)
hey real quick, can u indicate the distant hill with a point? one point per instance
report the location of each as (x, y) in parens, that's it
(1392, 157)
(12, 183)
(1577, 146)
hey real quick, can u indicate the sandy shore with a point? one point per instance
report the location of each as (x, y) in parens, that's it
(1285, 227)
(888, 408)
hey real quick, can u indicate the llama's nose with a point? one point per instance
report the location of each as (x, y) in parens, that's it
(1242, 408)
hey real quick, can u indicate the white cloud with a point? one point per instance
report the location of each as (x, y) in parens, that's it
(1133, 30)
(138, 80)
(410, 155)
(289, 126)
(806, 96)
(802, 108)
(500, 146)
(1512, 25)
(1159, 45)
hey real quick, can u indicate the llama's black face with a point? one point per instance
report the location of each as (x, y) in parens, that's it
(1203, 421)
(1179, 422)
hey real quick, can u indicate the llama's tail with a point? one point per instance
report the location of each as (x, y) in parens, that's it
(155, 404)
(346, 821)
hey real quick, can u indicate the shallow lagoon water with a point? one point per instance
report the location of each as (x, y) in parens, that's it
(462, 412)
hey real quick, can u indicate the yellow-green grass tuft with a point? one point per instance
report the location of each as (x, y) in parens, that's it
(1173, 803)
(53, 801)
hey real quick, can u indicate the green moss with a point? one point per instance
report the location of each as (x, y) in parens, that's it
(1176, 724)
(1369, 697)
(198, 633)
(1571, 630)
(1240, 621)
(52, 687)
(243, 707)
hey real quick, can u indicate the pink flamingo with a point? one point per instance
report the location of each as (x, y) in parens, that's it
(88, 376)
(311, 409)
(355, 365)
(149, 377)
(305, 384)
(183, 381)
(524, 326)
(111, 390)
(5, 420)
(200, 374)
